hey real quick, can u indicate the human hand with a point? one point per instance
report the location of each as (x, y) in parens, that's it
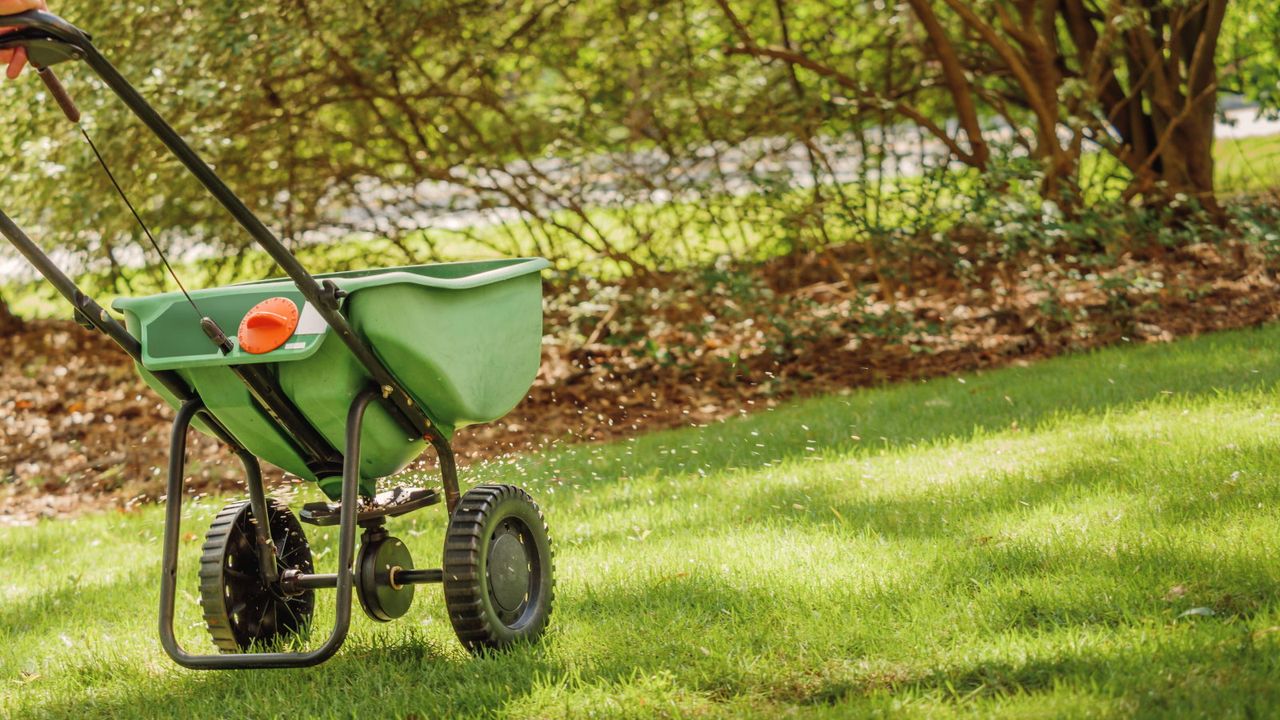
(16, 58)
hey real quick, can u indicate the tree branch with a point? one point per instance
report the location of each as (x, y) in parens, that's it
(957, 83)
(899, 107)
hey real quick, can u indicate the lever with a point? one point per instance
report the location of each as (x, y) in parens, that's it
(60, 94)
(264, 320)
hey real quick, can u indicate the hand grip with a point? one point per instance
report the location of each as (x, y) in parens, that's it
(60, 94)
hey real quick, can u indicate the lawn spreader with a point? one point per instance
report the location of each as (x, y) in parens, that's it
(341, 379)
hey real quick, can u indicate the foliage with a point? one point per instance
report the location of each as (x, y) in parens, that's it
(1250, 54)
(634, 134)
(1136, 79)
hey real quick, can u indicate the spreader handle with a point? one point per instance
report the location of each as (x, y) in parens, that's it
(60, 94)
(47, 39)
(46, 23)
(50, 39)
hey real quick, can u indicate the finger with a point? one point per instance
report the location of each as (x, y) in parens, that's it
(7, 54)
(13, 7)
(16, 64)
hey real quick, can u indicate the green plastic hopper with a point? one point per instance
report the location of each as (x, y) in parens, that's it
(463, 338)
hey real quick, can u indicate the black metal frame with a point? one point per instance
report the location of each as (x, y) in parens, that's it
(346, 546)
(51, 40)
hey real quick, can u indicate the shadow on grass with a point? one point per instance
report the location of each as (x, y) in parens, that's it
(1175, 680)
(30, 617)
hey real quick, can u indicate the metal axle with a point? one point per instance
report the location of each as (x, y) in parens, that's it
(292, 581)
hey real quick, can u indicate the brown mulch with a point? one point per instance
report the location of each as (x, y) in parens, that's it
(79, 431)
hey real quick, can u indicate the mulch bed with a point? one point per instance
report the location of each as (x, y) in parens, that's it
(79, 431)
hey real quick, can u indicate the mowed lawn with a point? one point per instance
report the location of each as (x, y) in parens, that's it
(1093, 535)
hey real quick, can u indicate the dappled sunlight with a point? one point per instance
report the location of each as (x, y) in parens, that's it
(976, 542)
(797, 359)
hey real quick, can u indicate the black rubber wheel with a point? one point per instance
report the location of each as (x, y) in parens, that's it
(498, 569)
(239, 609)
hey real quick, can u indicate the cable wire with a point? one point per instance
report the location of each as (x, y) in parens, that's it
(120, 191)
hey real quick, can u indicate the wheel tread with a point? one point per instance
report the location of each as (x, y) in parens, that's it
(462, 578)
(213, 554)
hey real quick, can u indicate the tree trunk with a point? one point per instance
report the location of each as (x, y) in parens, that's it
(1185, 165)
(1170, 137)
(8, 321)
(1174, 155)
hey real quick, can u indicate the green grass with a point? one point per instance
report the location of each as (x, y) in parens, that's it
(1250, 165)
(1242, 166)
(1020, 542)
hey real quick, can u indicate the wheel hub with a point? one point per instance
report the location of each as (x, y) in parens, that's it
(508, 571)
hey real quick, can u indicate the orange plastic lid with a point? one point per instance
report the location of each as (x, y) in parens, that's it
(268, 325)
